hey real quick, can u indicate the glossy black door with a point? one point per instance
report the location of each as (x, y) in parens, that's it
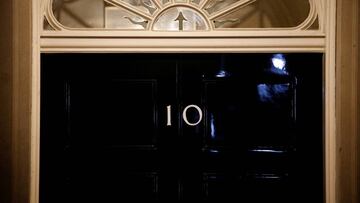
(105, 135)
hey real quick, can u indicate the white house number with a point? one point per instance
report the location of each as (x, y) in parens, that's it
(184, 115)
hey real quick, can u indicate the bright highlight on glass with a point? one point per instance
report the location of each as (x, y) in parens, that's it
(279, 61)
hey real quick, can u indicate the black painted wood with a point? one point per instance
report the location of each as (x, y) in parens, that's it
(104, 136)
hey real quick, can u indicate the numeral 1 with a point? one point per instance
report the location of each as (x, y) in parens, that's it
(168, 115)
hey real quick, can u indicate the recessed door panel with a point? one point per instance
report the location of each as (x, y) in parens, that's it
(121, 106)
(181, 127)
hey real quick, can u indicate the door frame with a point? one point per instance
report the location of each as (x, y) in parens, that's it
(25, 115)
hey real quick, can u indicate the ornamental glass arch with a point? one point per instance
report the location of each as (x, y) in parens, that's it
(182, 15)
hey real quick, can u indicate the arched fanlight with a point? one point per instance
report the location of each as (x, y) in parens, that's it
(181, 15)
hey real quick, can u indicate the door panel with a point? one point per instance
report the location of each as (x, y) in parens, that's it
(105, 105)
(116, 127)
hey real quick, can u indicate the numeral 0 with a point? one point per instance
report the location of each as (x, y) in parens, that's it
(184, 115)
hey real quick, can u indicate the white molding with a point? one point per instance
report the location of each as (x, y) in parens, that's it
(37, 22)
(330, 122)
(183, 45)
(313, 15)
(248, 33)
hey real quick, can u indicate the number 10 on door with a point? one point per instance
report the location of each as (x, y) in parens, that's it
(184, 115)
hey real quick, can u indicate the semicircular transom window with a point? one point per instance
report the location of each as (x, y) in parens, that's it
(181, 15)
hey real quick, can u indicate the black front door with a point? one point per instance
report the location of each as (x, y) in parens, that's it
(181, 127)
